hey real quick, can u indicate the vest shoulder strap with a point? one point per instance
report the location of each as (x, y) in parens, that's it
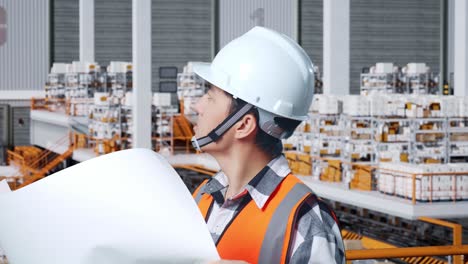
(198, 192)
(280, 228)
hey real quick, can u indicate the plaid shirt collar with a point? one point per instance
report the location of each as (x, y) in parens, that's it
(260, 187)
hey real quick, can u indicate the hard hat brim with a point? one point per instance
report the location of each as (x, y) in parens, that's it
(206, 72)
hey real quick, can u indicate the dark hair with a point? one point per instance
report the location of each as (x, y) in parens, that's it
(265, 142)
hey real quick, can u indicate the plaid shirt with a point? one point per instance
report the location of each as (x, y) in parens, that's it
(316, 237)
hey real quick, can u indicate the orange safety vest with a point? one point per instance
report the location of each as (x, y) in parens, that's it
(260, 235)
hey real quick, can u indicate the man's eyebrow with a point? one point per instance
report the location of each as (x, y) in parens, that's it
(210, 90)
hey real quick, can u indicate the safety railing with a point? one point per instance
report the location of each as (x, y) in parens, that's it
(375, 249)
(456, 235)
(387, 253)
(14, 158)
(36, 167)
(423, 186)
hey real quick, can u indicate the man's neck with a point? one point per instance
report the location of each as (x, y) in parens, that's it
(241, 164)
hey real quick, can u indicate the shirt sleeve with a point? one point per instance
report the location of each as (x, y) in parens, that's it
(317, 237)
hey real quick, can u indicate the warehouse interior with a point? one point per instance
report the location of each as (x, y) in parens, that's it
(386, 142)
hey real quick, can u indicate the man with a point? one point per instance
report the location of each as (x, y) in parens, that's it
(261, 87)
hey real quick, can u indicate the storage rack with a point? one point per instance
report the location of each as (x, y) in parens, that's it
(378, 83)
(428, 141)
(55, 91)
(326, 135)
(79, 91)
(105, 123)
(392, 139)
(421, 83)
(457, 133)
(358, 148)
(163, 113)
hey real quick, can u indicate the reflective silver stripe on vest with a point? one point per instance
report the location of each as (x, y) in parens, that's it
(199, 194)
(272, 245)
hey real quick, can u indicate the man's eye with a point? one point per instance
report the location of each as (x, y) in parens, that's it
(207, 96)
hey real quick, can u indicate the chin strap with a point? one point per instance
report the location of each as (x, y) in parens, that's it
(222, 128)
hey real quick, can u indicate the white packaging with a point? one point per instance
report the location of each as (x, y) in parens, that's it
(395, 156)
(356, 105)
(315, 106)
(78, 67)
(411, 112)
(59, 68)
(390, 109)
(463, 106)
(414, 68)
(162, 99)
(419, 112)
(450, 106)
(119, 67)
(115, 66)
(84, 67)
(189, 67)
(400, 112)
(377, 104)
(328, 105)
(101, 98)
(384, 67)
(92, 67)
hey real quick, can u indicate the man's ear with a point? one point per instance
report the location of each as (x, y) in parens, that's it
(246, 127)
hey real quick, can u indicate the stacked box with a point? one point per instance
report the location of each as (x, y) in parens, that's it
(291, 158)
(356, 105)
(162, 99)
(329, 105)
(332, 172)
(378, 103)
(361, 178)
(463, 106)
(384, 67)
(462, 181)
(416, 68)
(304, 164)
(451, 106)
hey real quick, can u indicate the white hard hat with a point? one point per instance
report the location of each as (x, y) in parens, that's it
(266, 69)
(269, 71)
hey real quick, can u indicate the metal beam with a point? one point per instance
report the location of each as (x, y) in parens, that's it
(385, 253)
(214, 28)
(142, 92)
(443, 52)
(336, 47)
(87, 30)
(461, 48)
(450, 41)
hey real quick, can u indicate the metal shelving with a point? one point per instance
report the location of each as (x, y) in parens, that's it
(428, 140)
(378, 82)
(457, 133)
(358, 142)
